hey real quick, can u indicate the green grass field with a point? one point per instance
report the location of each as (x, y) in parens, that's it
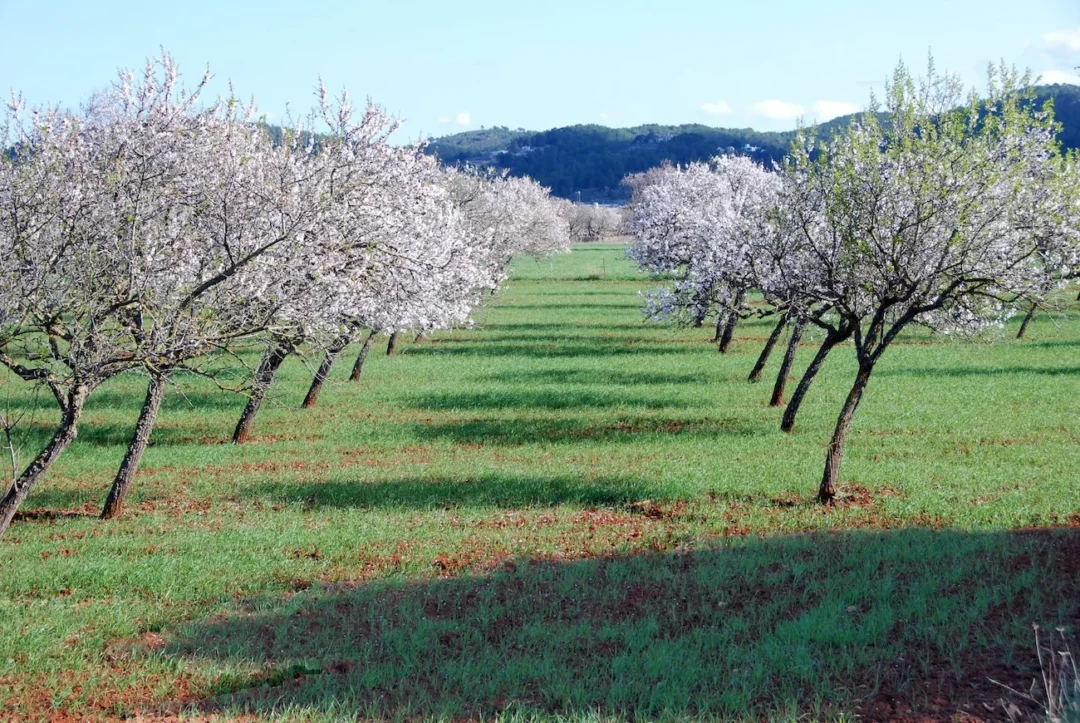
(562, 513)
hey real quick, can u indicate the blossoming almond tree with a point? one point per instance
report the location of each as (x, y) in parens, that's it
(500, 217)
(93, 204)
(248, 249)
(703, 223)
(590, 223)
(385, 217)
(934, 215)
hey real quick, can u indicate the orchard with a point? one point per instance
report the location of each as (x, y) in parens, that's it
(561, 493)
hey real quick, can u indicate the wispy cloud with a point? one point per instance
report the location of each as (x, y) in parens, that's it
(720, 107)
(462, 119)
(1049, 77)
(777, 110)
(828, 109)
(1063, 40)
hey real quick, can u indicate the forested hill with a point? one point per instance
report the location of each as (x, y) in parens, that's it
(592, 160)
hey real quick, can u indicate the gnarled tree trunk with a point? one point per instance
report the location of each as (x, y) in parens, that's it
(763, 358)
(63, 436)
(312, 396)
(732, 322)
(831, 340)
(264, 376)
(391, 345)
(835, 454)
(1027, 321)
(358, 367)
(721, 320)
(777, 399)
(155, 393)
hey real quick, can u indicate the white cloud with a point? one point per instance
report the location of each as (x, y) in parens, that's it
(777, 110)
(1063, 40)
(829, 109)
(462, 119)
(720, 107)
(1049, 77)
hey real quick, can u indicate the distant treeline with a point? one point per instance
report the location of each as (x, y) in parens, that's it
(588, 162)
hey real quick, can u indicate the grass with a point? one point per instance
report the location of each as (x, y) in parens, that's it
(560, 514)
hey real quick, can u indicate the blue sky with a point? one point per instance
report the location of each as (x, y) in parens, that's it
(449, 66)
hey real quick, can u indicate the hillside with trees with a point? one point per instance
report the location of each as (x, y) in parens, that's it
(588, 162)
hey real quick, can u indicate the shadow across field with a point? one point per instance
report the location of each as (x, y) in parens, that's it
(175, 398)
(593, 376)
(630, 429)
(576, 306)
(578, 292)
(980, 371)
(562, 347)
(550, 399)
(500, 327)
(483, 490)
(874, 624)
(1052, 344)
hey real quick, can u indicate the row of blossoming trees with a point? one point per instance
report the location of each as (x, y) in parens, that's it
(937, 209)
(152, 231)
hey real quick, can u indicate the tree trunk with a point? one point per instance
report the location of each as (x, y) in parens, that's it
(763, 359)
(329, 358)
(777, 399)
(63, 436)
(264, 377)
(391, 345)
(155, 393)
(720, 319)
(835, 455)
(731, 318)
(358, 367)
(420, 336)
(1027, 321)
(788, 422)
(733, 321)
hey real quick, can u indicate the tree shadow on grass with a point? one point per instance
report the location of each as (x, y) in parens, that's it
(98, 433)
(592, 376)
(550, 399)
(1051, 344)
(980, 371)
(576, 305)
(557, 348)
(501, 327)
(876, 624)
(175, 398)
(621, 293)
(629, 429)
(481, 490)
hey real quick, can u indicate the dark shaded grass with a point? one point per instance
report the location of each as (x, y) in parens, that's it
(627, 430)
(745, 630)
(1018, 371)
(484, 490)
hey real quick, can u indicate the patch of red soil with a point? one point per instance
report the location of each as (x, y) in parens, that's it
(658, 511)
(853, 496)
(449, 565)
(111, 696)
